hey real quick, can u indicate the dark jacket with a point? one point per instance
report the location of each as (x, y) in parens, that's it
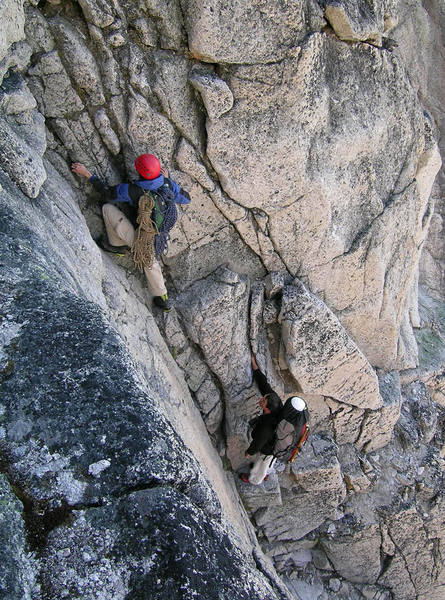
(263, 433)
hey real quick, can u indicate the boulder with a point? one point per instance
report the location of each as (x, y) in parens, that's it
(355, 555)
(315, 491)
(215, 310)
(320, 354)
(316, 467)
(215, 93)
(411, 572)
(356, 21)
(98, 13)
(232, 32)
(299, 514)
(254, 497)
(378, 426)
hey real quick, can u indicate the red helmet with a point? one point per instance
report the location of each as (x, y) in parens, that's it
(148, 166)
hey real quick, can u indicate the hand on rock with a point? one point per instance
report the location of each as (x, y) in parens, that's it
(81, 170)
(164, 172)
(254, 363)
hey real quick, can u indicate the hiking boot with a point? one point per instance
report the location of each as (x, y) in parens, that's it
(103, 243)
(163, 302)
(244, 477)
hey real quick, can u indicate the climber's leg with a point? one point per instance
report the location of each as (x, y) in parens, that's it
(120, 231)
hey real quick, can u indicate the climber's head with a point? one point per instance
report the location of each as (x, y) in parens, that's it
(298, 403)
(148, 166)
(270, 404)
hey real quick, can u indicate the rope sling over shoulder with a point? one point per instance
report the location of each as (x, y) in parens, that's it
(143, 248)
(157, 214)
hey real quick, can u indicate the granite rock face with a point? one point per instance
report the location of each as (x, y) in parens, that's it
(345, 116)
(82, 429)
(18, 579)
(114, 545)
(418, 33)
(319, 353)
(305, 133)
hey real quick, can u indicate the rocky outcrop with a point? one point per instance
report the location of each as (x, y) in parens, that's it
(388, 525)
(84, 438)
(351, 254)
(300, 131)
(418, 32)
(319, 353)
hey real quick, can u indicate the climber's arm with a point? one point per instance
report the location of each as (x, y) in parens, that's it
(260, 379)
(108, 193)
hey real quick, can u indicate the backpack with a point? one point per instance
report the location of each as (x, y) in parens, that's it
(157, 214)
(164, 215)
(291, 433)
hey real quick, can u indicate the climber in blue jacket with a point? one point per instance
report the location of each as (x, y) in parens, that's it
(121, 229)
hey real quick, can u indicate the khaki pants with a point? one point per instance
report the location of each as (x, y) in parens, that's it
(121, 232)
(262, 466)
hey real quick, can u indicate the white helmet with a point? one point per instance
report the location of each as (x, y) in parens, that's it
(298, 403)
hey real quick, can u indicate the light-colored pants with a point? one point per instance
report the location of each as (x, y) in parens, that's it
(262, 466)
(121, 232)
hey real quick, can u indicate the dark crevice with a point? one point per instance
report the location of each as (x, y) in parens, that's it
(41, 517)
(267, 575)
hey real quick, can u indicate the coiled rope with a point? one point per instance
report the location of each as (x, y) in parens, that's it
(143, 249)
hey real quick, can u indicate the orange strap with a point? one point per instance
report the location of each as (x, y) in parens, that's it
(296, 450)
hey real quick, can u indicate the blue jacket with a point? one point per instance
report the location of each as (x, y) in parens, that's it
(131, 192)
(123, 190)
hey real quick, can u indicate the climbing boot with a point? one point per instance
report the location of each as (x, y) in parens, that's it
(244, 477)
(103, 243)
(163, 302)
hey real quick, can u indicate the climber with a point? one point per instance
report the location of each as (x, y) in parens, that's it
(265, 440)
(151, 209)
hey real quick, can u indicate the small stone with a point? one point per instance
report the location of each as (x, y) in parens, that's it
(216, 94)
(96, 468)
(274, 283)
(116, 40)
(334, 584)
